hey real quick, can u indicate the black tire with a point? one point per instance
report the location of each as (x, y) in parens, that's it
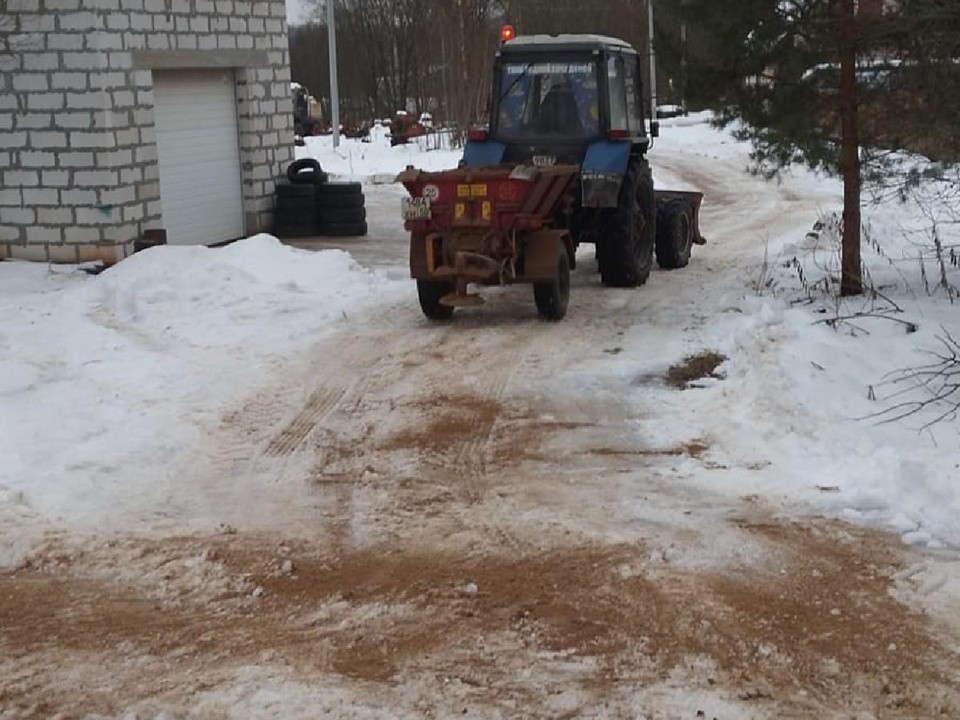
(341, 188)
(625, 253)
(353, 200)
(552, 298)
(286, 205)
(290, 230)
(335, 229)
(306, 171)
(344, 215)
(292, 191)
(674, 234)
(302, 217)
(429, 294)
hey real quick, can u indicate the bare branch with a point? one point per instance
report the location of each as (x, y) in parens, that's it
(939, 382)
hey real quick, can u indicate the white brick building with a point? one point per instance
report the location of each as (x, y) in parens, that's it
(121, 118)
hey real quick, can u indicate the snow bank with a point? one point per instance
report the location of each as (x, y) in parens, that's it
(807, 380)
(111, 384)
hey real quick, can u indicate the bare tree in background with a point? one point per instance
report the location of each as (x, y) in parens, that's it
(436, 55)
(470, 29)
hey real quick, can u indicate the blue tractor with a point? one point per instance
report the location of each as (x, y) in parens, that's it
(567, 118)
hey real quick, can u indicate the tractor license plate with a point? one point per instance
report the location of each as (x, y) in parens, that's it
(415, 208)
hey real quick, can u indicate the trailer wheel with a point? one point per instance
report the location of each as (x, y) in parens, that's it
(429, 293)
(674, 234)
(625, 254)
(552, 298)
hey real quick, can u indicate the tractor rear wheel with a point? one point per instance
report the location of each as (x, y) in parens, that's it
(674, 234)
(552, 297)
(429, 293)
(625, 254)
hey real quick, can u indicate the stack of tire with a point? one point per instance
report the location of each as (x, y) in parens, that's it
(311, 205)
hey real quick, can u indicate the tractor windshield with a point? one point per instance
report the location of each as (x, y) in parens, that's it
(547, 99)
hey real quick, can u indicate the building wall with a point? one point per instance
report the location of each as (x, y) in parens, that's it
(78, 158)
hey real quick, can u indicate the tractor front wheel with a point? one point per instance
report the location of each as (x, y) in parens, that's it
(429, 294)
(552, 297)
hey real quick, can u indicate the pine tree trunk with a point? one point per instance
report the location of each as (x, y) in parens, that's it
(851, 282)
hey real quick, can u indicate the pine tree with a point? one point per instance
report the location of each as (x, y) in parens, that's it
(813, 81)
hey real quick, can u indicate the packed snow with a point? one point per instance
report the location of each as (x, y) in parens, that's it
(111, 383)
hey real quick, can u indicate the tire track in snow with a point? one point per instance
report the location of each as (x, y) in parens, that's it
(322, 401)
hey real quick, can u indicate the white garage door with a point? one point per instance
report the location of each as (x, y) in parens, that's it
(195, 112)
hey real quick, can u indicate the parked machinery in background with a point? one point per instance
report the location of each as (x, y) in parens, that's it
(405, 127)
(307, 112)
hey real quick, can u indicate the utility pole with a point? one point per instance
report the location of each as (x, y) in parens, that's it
(334, 90)
(683, 59)
(653, 63)
(443, 77)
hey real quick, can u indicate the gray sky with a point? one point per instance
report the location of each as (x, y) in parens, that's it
(296, 10)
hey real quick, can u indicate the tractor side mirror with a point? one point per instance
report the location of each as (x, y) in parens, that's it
(654, 129)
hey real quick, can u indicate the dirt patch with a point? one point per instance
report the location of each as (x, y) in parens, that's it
(693, 368)
(459, 432)
(693, 448)
(565, 600)
(822, 618)
(520, 436)
(815, 626)
(447, 421)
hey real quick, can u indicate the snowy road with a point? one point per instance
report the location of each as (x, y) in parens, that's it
(493, 518)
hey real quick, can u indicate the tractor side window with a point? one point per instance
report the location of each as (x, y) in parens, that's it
(618, 95)
(634, 97)
(516, 104)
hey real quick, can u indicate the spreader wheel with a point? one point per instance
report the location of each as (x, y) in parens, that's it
(552, 297)
(429, 293)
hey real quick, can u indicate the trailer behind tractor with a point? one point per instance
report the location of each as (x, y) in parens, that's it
(563, 162)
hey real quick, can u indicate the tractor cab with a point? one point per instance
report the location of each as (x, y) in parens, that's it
(556, 96)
